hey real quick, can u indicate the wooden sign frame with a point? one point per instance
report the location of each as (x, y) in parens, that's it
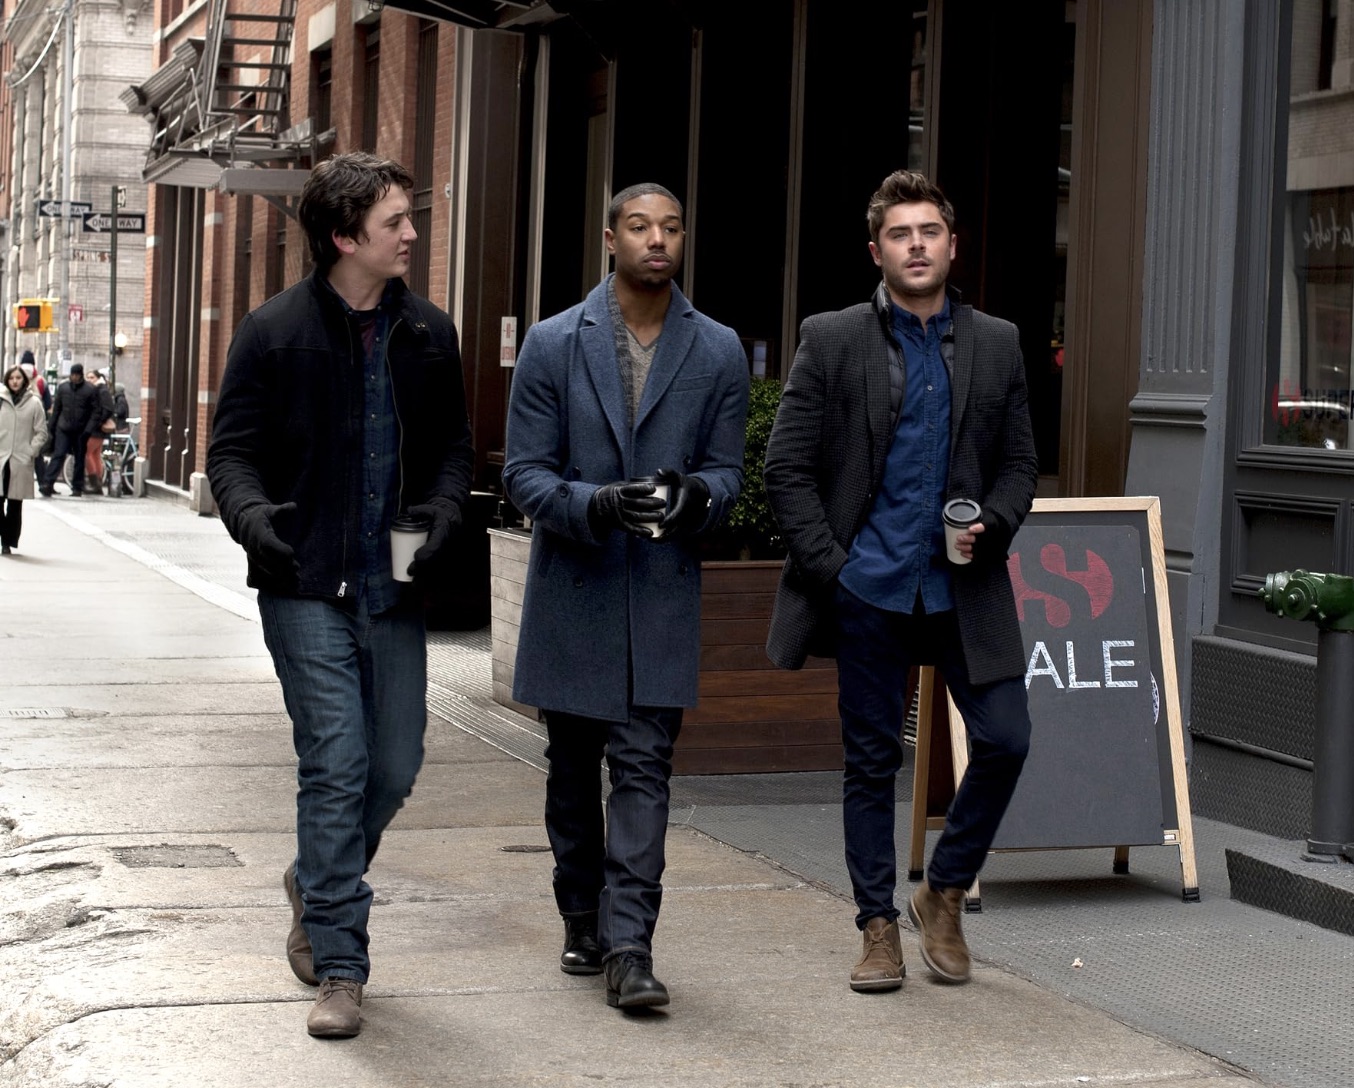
(942, 741)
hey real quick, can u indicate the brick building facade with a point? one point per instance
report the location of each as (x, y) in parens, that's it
(227, 162)
(67, 259)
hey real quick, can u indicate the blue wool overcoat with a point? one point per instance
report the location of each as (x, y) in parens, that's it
(614, 621)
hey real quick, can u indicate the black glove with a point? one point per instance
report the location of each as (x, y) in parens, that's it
(631, 507)
(275, 558)
(446, 519)
(688, 504)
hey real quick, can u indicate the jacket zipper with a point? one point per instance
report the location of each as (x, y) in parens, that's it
(399, 422)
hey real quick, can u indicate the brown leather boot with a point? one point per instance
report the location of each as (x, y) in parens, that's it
(298, 943)
(880, 966)
(936, 916)
(337, 1012)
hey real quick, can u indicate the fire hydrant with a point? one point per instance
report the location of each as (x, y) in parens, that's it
(1328, 600)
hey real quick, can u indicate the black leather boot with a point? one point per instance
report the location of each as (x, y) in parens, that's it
(630, 983)
(582, 954)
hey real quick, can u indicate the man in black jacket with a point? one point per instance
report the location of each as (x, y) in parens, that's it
(343, 407)
(75, 416)
(892, 408)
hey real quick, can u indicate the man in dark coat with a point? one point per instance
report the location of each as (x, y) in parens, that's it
(632, 383)
(327, 428)
(892, 408)
(76, 416)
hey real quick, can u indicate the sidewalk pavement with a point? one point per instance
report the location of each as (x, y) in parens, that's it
(147, 811)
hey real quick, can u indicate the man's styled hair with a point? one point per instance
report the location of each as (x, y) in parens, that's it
(906, 187)
(19, 371)
(337, 196)
(644, 188)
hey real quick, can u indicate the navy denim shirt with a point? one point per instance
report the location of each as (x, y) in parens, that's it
(377, 587)
(899, 553)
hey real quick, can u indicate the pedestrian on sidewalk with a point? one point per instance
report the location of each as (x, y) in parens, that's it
(23, 433)
(630, 391)
(75, 416)
(893, 407)
(105, 424)
(343, 407)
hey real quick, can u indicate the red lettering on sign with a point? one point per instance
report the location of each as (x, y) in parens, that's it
(1056, 610)
(1096, 579)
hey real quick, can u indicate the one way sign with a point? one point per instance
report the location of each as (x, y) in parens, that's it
(102, 222)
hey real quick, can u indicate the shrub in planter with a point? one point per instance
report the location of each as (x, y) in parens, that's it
(750, 532)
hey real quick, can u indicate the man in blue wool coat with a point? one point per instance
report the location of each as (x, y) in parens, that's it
(631, 393)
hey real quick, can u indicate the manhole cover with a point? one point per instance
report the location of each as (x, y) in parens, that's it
(166, 856)
(34, 712)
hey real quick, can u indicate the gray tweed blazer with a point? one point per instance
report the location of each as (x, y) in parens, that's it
(826, 458)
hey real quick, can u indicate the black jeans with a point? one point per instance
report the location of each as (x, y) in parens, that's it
(616, 869)
(875, 652)
(12, 520)
(65, 443)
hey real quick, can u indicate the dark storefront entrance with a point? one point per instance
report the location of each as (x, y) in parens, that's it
(774, 121)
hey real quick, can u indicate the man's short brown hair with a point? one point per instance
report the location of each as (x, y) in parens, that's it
(337, 196)
(906, 187)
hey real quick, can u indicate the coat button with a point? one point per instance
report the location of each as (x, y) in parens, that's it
(578, 583)
(563, 491)
(686, 462)
(681, 569)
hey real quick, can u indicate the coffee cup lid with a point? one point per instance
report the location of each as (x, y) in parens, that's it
(409, 523)
(962, 511)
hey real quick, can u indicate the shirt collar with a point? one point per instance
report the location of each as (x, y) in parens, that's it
(908, 323)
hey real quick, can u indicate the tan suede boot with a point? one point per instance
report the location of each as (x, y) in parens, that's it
(936, 916)
(298, 943)
(881, 961)
(337, 1012)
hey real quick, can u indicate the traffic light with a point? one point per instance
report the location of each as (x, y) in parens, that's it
(33, 314)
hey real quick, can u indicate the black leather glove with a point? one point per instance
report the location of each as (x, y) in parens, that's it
(262, 544)
(631, 507)
(688, 504)
(446, 519)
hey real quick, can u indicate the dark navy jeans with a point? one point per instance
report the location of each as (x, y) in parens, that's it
(616, 869)
(875, 651)
(356, 691)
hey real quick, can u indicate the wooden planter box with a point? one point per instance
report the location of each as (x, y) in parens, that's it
(752, 716)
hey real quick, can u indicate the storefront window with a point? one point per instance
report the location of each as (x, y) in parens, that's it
(1308, 388)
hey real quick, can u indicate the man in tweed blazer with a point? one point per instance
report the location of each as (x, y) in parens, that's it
(892, 408)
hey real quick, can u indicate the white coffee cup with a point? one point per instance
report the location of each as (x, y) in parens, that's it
(407, 535)
(660, 491)
(958, 515)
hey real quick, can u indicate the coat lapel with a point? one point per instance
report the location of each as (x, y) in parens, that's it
(598, 339)
(679, 333)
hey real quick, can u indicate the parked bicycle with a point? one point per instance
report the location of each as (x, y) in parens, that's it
(119, 461)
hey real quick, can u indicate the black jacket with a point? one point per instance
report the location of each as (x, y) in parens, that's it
(75, 408)
(288, 425)
(827, 454)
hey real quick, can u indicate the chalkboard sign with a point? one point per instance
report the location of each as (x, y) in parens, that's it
(1106, 765)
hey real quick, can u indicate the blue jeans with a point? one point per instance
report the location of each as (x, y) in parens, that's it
(356, 691)
(616, 869)
(875, 652)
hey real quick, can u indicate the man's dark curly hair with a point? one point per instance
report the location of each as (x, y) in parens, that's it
(906, 187)
(337, 196)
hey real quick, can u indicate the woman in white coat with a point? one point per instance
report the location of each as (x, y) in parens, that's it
(23, 433)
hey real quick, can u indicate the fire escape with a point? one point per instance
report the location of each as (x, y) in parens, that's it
(220, 108)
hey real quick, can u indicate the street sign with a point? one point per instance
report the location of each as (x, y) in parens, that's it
(75, 312)
(52, 208)
(102, 222)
